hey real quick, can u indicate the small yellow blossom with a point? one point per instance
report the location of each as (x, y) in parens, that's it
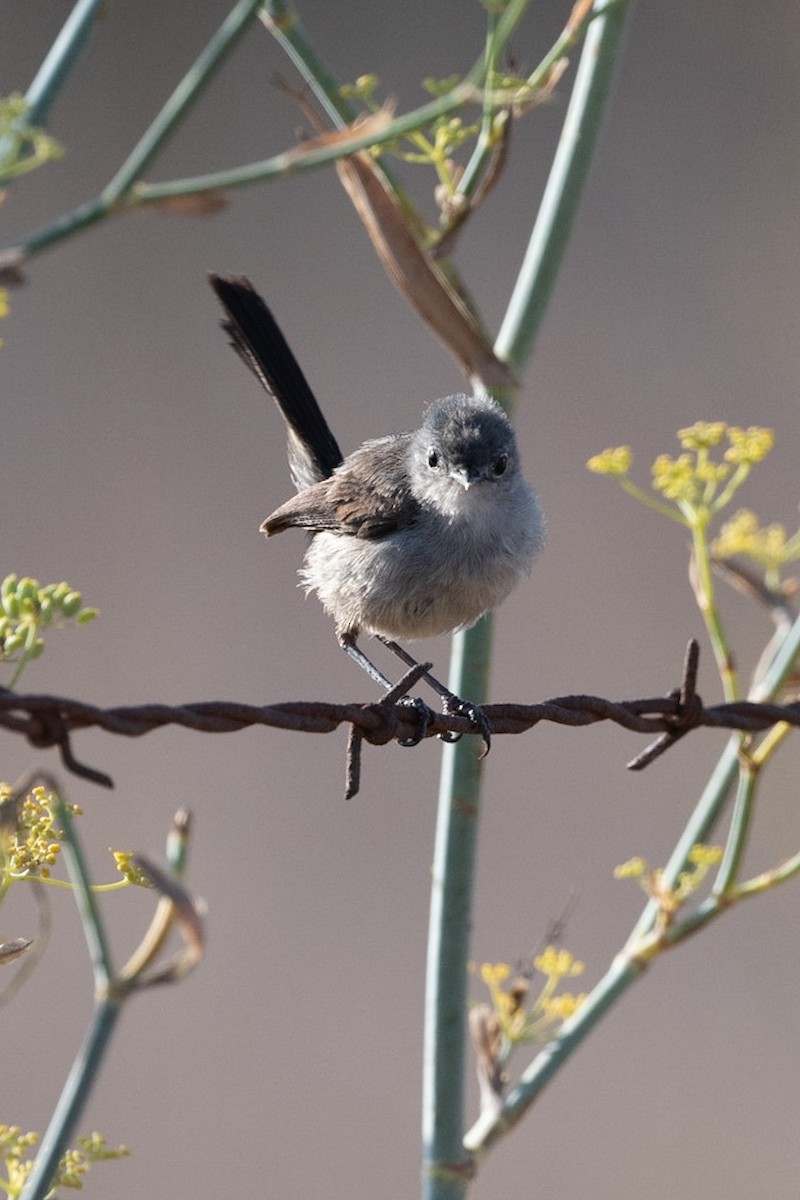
(558, 964)
(675, 477)
(703, 855)
(711, 472)
(749, 446)
(614, 461)
(634, 868)
(702, 435)
(123, 860)
(651, 879)
(563, 1006)
(767, 545)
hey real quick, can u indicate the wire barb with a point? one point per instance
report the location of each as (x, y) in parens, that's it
(688, 714)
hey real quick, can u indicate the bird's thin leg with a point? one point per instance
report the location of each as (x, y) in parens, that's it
(426, 714)
(410, 661)
(350, 646)
(452, 703)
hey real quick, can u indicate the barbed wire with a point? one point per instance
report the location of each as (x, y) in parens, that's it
(50, 720)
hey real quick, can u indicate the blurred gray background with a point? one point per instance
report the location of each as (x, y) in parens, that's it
(139, 458)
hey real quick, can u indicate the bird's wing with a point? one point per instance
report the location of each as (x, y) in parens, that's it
(369, 496)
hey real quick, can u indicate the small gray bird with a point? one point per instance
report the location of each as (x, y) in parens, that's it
(414, 535)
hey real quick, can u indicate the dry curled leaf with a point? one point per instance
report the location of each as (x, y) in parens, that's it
(9, 951)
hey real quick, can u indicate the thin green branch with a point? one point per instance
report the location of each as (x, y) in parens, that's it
(728, 872)
(93, 928)
(706, 601)
(769, 879)
(287, 29)
(482, 155)
(666, 510)
(73, 1098)
(180, 102)
(104, 1017)
(61, 58)
(56, 67)
(565, 183)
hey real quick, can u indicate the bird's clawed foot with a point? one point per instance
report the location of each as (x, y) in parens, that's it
(474, 713)
(426, 715)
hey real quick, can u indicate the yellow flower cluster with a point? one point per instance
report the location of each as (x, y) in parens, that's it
(15, 1148)
(669, 900)
(30, 843)
(693, 481)
(616, 460)
(76, 1162)
(693, 477)
(522, 1019)
(766, 545)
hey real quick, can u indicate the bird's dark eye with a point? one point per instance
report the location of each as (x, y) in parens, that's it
(433, 458)
(500, 463)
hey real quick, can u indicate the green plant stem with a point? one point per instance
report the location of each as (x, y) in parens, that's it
(107, 1006)
(112, 199)
(93, 930)
(61, 58)
(445, 1176)
(285, 26)
(657, 505)
(565, 183)
(56, 67)
(180, 102)
(484, 147)
(27, 650)
(73, 1098)
(445, 1163)
(709, 610)
(769, 879)
(728, 872)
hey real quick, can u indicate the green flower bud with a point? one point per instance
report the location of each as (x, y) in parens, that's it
(10, 605)
(71, 603)
(28, 589)
(15, 641)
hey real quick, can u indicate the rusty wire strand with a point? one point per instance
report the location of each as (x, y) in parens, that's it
(50, 720)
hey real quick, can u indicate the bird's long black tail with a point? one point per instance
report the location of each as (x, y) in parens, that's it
(255, 335)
